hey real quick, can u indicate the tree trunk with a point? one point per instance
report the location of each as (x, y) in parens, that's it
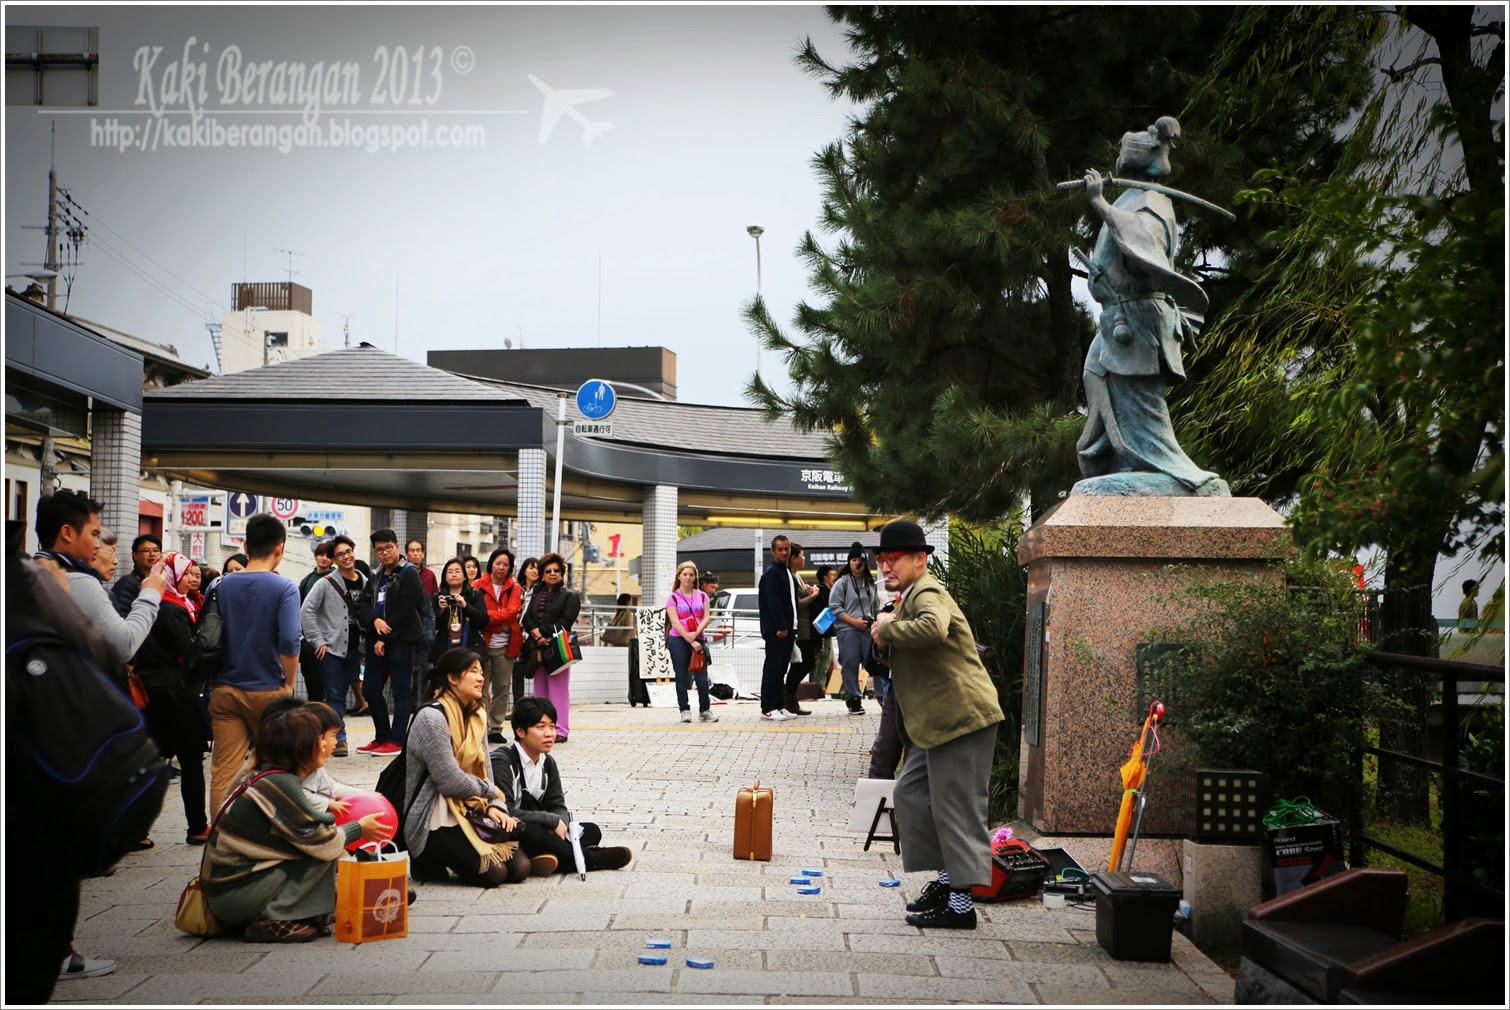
(1470, 88)
(1064, 334)
(1408, 628)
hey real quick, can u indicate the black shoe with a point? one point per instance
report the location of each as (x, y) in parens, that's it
(792, 707)
(608, 857)
(495, 736)
(935, 895)
(943, 918)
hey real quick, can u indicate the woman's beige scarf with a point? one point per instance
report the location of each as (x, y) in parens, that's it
(468, 733)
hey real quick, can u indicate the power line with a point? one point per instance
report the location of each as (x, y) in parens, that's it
(97, 222)
(124, 260)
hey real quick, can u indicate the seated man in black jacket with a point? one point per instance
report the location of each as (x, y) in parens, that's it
(528, 775)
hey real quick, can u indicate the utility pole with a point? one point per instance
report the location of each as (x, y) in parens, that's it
(51, 260)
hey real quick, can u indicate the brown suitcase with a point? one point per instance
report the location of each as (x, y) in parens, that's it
(752, 822)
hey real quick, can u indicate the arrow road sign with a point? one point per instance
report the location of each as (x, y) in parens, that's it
(240, 504)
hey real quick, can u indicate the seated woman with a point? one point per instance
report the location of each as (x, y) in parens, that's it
(447, 774)
(272, 857)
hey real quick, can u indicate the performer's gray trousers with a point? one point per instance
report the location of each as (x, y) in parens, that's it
(941, 801)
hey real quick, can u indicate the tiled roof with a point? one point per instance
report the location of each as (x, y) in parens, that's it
(363, 373)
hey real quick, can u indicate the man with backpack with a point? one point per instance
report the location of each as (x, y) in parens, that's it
(78, 751)
(393, 618)
(331, 619)
(260, 612)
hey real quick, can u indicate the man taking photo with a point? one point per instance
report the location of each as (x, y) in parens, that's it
(68, 528)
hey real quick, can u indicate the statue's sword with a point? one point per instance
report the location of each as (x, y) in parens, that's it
(1156, 188)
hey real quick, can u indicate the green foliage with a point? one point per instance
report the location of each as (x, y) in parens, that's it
(1362, 367)
(1274, 681)
(990, 587)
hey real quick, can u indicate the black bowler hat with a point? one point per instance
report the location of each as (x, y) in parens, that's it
(902, 535)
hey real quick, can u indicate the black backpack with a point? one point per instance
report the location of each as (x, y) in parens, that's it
(207, 649)
(391, 783)
(78, 756)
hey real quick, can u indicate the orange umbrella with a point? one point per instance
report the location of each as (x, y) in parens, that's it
(1133, 774)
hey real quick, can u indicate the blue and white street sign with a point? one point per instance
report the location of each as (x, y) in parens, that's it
(240, 504)
(596, 399)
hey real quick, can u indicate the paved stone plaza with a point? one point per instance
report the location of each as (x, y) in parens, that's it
(667, 790)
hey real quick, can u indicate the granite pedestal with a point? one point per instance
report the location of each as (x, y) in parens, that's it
(1100, 583)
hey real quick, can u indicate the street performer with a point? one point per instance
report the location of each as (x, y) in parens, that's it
(947, 713)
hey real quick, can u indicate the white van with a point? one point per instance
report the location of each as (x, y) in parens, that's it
(736, 619)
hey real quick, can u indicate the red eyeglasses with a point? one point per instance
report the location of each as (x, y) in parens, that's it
(890, 558)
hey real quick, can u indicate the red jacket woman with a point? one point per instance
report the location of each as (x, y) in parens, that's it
(504, 598)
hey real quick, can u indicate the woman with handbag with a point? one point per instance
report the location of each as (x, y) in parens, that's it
(552, 609)
(457, 820)
(687, 614)
(271, 861)
(172, 711)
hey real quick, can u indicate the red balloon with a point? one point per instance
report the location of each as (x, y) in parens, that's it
(363, 804)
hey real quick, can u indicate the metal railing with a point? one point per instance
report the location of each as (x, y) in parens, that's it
(729, 628)
(1463, 894)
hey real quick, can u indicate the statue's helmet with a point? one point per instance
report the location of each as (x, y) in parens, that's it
(1147, 151)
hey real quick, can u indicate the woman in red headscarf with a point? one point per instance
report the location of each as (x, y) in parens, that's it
(173, 714)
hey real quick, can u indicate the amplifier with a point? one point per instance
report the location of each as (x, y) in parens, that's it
(1017, 871)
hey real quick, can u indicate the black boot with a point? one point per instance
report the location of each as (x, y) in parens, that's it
(791, 703)
(935, 895)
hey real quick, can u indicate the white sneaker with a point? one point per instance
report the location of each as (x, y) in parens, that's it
(706, 717)
(686, 715)
(776, 716)
(76, 965)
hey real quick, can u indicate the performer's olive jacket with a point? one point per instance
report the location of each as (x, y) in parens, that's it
(943, 690)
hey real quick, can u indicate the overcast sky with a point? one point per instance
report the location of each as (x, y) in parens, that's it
(714, 128)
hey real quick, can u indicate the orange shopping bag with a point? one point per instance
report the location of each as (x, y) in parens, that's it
(372, 897)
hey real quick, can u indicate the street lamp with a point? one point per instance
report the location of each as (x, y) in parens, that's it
(755, 231)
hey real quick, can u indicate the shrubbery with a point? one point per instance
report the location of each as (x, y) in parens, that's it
(1273, 680)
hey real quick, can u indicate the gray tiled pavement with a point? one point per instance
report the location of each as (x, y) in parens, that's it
(667, 790)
